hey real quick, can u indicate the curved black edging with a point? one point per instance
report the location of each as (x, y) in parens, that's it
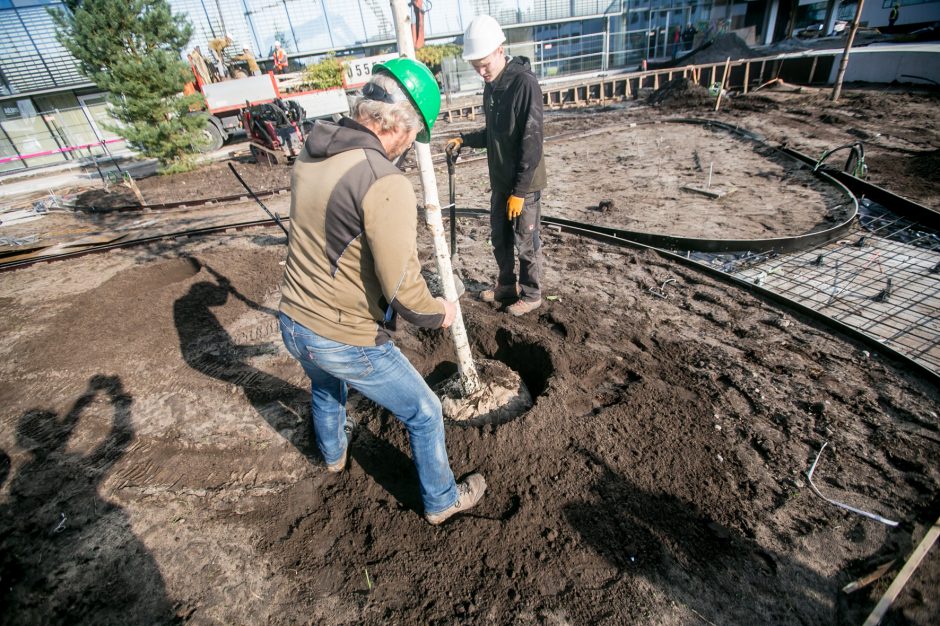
(893, 202)
(180, 203)
(20, 263)
(872, 343)
(584, 230)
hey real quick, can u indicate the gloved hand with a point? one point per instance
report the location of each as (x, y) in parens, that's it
(514, 207)
(452, 147)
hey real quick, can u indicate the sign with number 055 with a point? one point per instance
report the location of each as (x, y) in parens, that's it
(357, 72)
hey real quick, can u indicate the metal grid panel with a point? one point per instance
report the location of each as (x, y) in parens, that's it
(885, 282)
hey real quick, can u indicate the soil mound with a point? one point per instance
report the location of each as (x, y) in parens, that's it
(720, 48)
(679, 93)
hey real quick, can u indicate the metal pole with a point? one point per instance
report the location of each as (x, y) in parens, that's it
(326, 18)
(9, 139)
(251, 25)
(432, 205)
(221, 18)
(844, 64)
(291, 25)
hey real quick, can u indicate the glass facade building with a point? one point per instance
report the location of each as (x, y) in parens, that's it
(47, 107)
(46, 104)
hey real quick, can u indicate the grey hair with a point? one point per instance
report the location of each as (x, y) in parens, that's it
(388, 117)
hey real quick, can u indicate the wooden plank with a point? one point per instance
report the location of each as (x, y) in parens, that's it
(747, 75)
(912, 563)
(714, 194)
(812, 71)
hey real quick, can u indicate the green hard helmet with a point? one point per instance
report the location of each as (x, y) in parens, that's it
(418, 82)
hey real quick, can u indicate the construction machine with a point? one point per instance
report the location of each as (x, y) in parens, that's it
(228, 100)
(276, 130)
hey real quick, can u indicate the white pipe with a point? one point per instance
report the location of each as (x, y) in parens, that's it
(468, 373)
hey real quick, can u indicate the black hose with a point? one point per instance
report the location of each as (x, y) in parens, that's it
(274, 216)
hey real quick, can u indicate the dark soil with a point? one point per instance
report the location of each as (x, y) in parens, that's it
(680, 93)
(717, 51)
(210, 181)
(157, 464)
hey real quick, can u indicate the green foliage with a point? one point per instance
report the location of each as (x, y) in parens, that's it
(326, 74)
(434, 55)
(131, 48)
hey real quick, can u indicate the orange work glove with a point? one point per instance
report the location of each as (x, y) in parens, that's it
(514, 207)
(452, 147)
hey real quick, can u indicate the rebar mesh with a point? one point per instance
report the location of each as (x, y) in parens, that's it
(883, 280)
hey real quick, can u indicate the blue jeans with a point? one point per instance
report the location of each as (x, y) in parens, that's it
(385, 376)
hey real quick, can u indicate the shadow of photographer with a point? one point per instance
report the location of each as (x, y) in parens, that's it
(67, 555)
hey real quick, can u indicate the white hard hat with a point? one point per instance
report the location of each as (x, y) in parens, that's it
(483, 36)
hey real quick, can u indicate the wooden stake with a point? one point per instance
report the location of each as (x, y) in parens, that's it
(132, 185)
(724, 79)
(747, 75)
(868, 579)
(895, 589)
(812, 70)
(772, 81)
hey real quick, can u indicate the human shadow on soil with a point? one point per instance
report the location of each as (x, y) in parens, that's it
(209, 348)
(712, 570)
(67, 555)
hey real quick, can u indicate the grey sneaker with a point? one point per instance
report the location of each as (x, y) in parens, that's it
(500, 293)
(521, 307)
(469, 492)
(339, 466)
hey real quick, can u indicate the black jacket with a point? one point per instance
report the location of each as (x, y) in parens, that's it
(513, 134)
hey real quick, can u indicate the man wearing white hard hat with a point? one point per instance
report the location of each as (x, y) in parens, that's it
(512, 103)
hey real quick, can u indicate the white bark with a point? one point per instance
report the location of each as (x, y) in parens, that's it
(468, 373)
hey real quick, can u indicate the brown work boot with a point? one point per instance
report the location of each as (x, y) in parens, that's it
(521, 307)
(469, 492)
(339, 466)
(500, 293)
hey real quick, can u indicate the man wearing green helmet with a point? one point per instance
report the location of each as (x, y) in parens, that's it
(352, 269)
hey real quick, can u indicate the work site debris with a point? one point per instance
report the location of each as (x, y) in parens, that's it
(21, 216)
(680, 93)
(873, 516)
(722, 47)
(18, 241)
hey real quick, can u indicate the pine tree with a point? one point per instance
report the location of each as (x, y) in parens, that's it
(131, 49)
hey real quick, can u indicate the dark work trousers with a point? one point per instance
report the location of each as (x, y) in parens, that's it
(523, 240)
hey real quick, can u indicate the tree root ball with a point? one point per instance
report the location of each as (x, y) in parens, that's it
(502, 396)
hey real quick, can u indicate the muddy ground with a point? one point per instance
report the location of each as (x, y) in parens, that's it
(157, 464)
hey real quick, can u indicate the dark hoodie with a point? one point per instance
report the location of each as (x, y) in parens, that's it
(352, 262)
(512, 137)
